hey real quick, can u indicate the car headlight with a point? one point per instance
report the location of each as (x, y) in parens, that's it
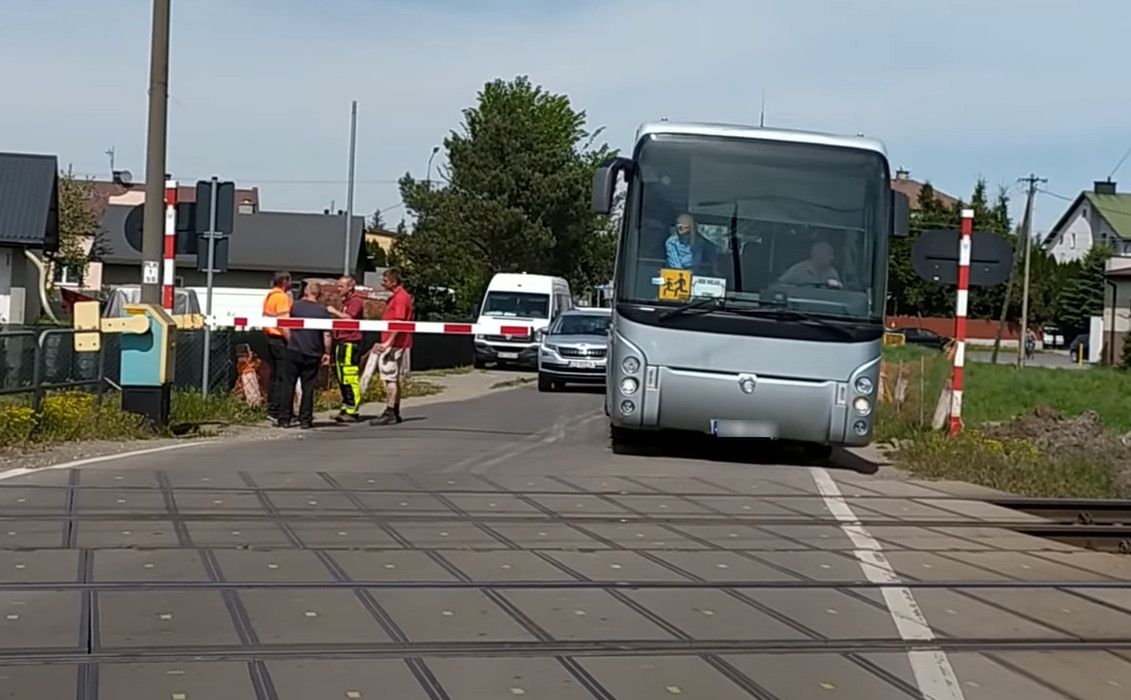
(862, 405)
(629, 385)
(630, 365)
(864, 385)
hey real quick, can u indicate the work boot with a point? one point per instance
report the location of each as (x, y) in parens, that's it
(387, 418)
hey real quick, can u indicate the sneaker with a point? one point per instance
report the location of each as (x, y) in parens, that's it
(344, 417)
(306, 425)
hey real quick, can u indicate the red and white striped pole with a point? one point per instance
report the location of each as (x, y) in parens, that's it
(962, 302)
(169, 275)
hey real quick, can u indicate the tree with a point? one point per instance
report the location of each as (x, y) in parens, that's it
(517, 198)
(376, 222)
(80, 227)
(377, 254)
(1083, 293)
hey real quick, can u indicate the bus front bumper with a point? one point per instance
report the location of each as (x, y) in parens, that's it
(744, 405)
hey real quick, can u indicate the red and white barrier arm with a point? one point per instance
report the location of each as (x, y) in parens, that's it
(325, 324)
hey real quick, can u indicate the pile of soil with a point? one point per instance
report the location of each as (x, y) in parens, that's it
(1083, 434)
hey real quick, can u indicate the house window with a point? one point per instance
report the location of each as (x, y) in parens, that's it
(68, 275)
(1073, 239)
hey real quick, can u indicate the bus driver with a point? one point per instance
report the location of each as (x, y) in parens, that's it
(817, 270)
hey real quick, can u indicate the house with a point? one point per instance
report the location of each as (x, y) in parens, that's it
(122, 192)
(912, 188)
(1116, 317)
(29, 227)
(306, 245)
(385, 239)
(1100, 216)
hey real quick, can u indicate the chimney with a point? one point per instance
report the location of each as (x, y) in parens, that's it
(902, 174)
(1104, 186)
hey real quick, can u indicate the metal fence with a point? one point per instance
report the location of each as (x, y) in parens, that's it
(37, 360)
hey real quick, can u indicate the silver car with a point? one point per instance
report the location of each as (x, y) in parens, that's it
(574, 348)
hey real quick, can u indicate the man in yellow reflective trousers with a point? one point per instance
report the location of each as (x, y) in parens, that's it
(347, 350)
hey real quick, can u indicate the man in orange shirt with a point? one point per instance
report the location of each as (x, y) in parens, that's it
(277, 304)
(395, 348)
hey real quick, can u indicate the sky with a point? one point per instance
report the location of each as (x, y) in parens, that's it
(260, 90)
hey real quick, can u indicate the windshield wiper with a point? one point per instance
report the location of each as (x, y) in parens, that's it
(783, 314)
(701, 303)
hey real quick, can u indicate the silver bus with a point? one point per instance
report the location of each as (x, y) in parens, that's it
(750, 282)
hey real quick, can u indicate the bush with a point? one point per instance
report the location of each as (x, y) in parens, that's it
(66, 417)
(16, 425)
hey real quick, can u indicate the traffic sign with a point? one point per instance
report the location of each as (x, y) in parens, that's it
(935, 257)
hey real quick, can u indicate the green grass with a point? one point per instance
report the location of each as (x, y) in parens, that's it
(446, 372)
(1012, 465)
(998, 393)
(509, 383)
(191, 407)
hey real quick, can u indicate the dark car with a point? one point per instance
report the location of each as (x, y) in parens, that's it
(923, 337)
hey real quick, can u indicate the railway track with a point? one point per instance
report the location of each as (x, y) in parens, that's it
(1099, 524)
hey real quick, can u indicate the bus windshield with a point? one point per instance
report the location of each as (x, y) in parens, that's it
(756, 223)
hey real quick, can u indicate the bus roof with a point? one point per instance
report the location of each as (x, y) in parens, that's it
(757, 132)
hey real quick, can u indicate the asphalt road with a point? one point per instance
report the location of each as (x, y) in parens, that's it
(496, 548)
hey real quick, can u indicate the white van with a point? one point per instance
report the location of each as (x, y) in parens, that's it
(534, 300)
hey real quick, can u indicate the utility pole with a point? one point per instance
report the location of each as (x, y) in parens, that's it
(1032, 180)
(153, 221)
(349, 194)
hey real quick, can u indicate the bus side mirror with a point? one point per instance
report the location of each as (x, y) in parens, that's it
(605, 183)
(901, 215)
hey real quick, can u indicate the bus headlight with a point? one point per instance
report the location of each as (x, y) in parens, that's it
(629, 385)
(630, 364)
(627, 407)
(860, 428)
(864, 385)
(862, 405)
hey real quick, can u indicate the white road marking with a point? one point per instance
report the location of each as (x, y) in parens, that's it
(933, 673)
(24, 471)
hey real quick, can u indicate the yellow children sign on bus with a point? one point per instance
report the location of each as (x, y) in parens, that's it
(675, 285)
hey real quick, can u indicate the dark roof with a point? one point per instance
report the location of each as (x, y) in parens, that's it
(103, 190)
(264, 241)
(29, 201)
(903, 183)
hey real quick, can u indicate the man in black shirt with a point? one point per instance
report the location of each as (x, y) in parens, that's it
(307, 350)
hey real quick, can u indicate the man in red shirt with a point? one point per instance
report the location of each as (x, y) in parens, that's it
(395, 347)
(347, 350)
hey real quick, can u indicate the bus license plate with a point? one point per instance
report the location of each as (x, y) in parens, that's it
(743, 429)
(582, 364)
(508, 355)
